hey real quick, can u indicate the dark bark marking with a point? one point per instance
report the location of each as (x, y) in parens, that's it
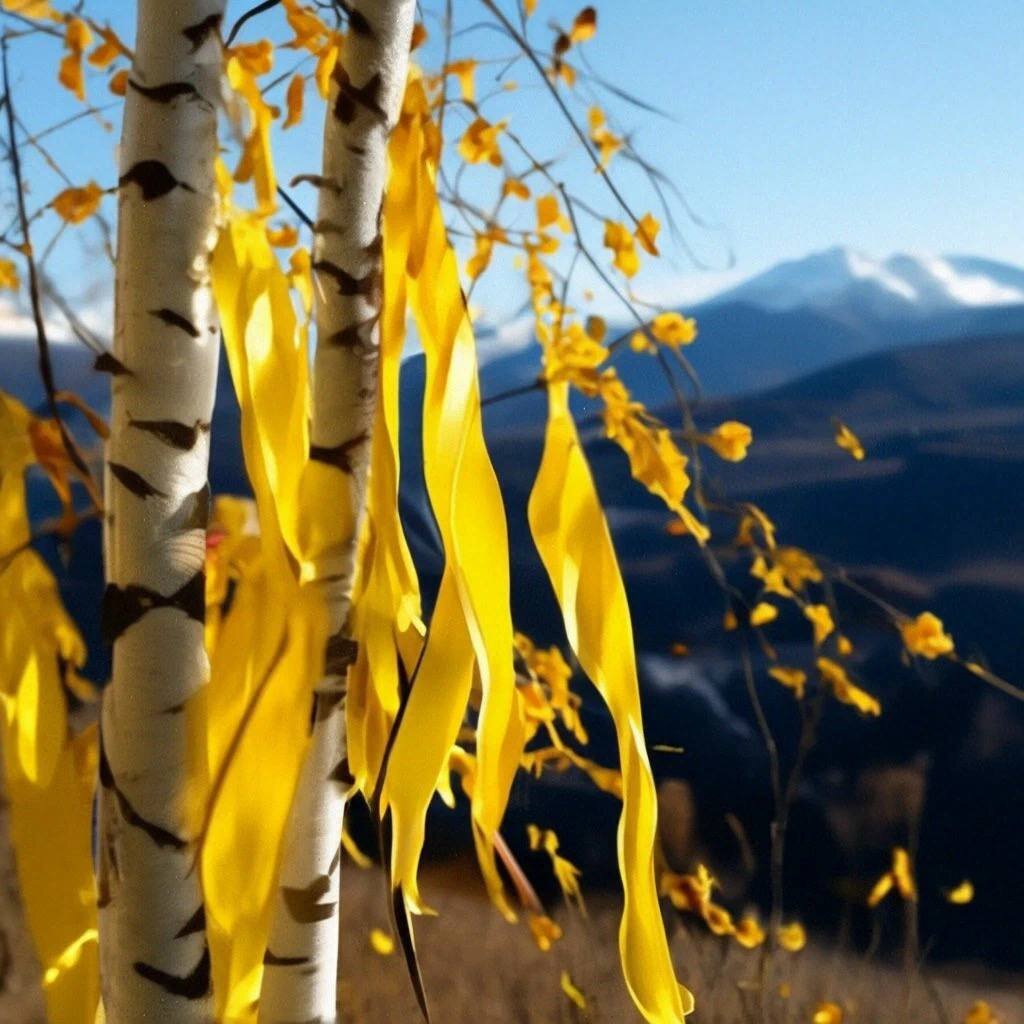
(335, 861)
(376, 248)
(304, 905)
(198, 34)
(195, 985)
(357, 22)
(342, 773)
(154, 178)
(338, 455)
(325, 702)
(106, 363)
(177, 435)
(351, 97)
(342, 652)
(135, 483)
(176, 320)
(273, 960)
(356, 148)
(194, 925)
(167, 92)
(124, 606)
(161, 836)
(351, 336)
(348, 285)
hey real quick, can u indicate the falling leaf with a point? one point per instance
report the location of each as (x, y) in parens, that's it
(847, 440)
(9, 278)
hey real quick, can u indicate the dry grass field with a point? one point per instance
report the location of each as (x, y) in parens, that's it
(480, 970)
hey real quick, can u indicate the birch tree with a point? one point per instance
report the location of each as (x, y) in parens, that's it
(300, 968)
(155, 961)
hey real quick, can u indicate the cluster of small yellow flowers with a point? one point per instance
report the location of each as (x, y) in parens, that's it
(546, 695)
(692, 894)
(925, 637)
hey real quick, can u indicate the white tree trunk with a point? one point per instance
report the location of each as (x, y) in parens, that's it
(301, 964)
(154, 955)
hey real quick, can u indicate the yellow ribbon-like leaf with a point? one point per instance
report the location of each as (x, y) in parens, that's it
(575, 545)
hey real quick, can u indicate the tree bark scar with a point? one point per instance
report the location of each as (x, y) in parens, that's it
(167, 92)
(338, 456)
(194, 925)
(135, 483)
(195, 985)
(357, 22)
(176, 320)
(368, 286)
(273, 960)
(153, 178)
(341, 653)
(342, 773)
(198, 517)
(177, 435)
(124, 606)
(351, 97)
(317, 181)
(326, 702)
(376, 248)
(106, 363)
(161, 836)
(351, 336)
(198, 34)
(304, 905)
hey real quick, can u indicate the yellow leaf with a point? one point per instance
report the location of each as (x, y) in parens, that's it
(572, 538)
(618, 238)
(9, 275)
(828, 1013)
(730, 440)
(981, 1013)
(848, 440)
(763, 613)
(925, 637)
(109, 50)
(38, 9)
(674, 329)
(584, 25)
(572, 993)
(77, 204)
(845, 691)
(465, 72)
(647, 233)
(118, 83)
(381, 943)
(284, 237)
(748, 932)
(515, 187)
(294, 100)
(792, 937)
(479, 143)
(961, 894)
(793, 678)
(821, 619)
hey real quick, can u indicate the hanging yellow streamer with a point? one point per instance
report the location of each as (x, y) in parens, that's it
(572, 538)
(471, 629)
(49, 776)
(268, 649)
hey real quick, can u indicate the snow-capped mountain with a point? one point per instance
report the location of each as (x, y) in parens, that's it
(901, 286)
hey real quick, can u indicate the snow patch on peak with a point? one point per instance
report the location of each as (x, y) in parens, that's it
(899, 286)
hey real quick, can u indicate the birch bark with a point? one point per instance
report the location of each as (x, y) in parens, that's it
(300, 977)
(155, 960)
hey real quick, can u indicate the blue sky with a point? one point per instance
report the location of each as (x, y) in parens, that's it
(794, 126)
